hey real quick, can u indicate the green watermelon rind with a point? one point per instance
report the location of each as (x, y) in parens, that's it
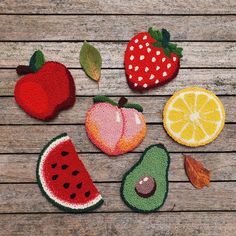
(55, 203)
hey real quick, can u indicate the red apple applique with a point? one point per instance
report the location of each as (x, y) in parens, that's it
(115, 128)
(151, 60)
(46, 89)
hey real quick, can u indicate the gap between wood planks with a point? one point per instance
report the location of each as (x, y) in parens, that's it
(109, 41)
(115, 14)
(110, 212)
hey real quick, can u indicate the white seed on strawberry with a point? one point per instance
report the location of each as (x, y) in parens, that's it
(140, 46)
(144, 37)
(149, 50)
(131, 48)
(136, 68)
(141, 57)
(163, 59)
(130, 67)
(145, 85)
(158, 53)
(146, 69)
(151, 77)
(174, 58)
(147, 44)
(153, 59)
(158, 68)
(157, 81)
(140, 78)
(168, 65)
(130, 76)
(164, 74)
(131, 58)
(135, 85)
(136, 40)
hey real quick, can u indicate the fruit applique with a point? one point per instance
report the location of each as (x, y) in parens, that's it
(194, 116)
(46, 89)
(151, 60)
(115, 128)
(63, 178)
(144, 187)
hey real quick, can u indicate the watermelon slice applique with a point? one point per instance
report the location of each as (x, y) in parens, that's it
(63, 178)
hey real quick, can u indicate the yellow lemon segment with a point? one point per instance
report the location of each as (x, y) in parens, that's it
(194, 116)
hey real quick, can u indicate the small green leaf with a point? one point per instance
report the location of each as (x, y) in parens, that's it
(178, 52)
(167, 51)
(101, 98)
(157, 44)
(155, 34)
(91, 61)
(36, 61)
(172, 46)
(134, 106)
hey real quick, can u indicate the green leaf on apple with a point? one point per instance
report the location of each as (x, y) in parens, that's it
(91, 61)
(36, 61)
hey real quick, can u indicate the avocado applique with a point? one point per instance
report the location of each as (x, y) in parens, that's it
(145, 186)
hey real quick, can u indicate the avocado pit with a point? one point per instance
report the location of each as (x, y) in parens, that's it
(145, 187)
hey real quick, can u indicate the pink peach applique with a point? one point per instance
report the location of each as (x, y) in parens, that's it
(115, 128)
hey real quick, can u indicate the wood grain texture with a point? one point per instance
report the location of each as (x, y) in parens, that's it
(21, 167)
(31, 139)
(28, 198)
(207, 63)
(55, 27)
(160, 223)
(113, 82)
(118, 7)
(196, 54)
(153, 107)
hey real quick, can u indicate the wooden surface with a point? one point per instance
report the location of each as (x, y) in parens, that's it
(207, 32)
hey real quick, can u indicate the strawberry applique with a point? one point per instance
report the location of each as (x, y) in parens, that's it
(151, 60)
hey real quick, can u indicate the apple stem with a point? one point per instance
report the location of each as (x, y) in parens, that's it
(122, 101)
(23, 70)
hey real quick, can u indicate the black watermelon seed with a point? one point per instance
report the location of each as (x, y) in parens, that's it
(64, 167)
(73, 195)
(54, 165)
(66, 185)
(79, 185)
(64, 153)
(54, 177)
(87, 194)
(75, 172)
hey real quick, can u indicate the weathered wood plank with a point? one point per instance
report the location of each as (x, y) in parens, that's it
(113, 82)
(21, 168)
(27, 198)
(31, 139)
(160, 223)
(196, 54)
(118, 7)
(153, 107)
(54, 27)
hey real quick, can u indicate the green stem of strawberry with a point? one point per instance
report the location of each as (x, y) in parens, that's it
(165, 38)
(122, 101)
(162, 39)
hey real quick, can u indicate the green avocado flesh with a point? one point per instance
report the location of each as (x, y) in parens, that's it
(154, 162)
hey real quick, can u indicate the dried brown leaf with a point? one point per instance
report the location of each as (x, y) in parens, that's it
(198, 175)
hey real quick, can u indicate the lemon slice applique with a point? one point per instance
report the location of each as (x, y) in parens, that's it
(194, 116)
